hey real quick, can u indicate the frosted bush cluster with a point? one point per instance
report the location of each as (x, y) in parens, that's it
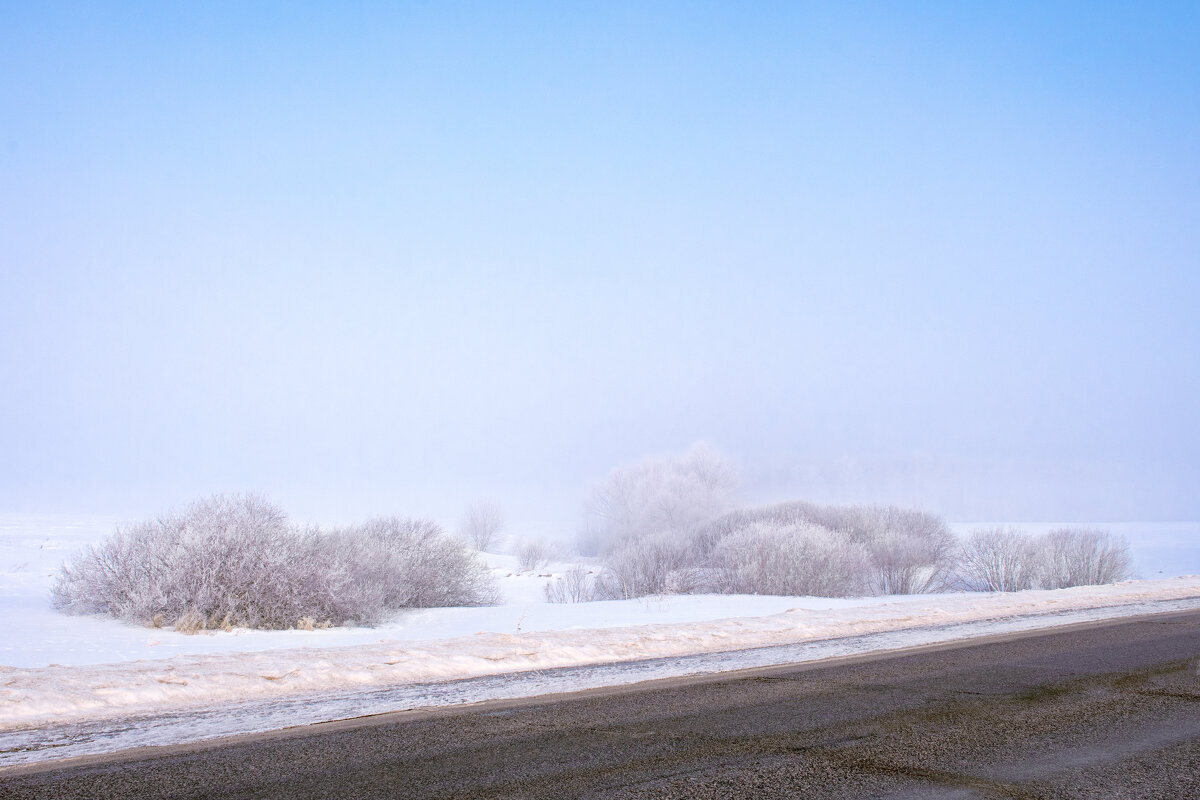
(663, 526)
(234, 561)
(1006, 560)
(795, 548)
(874, 549)
(840, 551)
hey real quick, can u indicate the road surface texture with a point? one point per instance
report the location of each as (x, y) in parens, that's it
(1108, 710)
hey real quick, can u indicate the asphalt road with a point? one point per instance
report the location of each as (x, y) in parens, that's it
(1108, 710)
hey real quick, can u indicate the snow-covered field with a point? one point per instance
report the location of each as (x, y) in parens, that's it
(62, 677)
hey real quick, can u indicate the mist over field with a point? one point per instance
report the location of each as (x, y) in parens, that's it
(399, 259)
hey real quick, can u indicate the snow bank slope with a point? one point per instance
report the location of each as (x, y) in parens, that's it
(56, 694)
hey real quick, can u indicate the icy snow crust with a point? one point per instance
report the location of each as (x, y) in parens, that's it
(73, 685)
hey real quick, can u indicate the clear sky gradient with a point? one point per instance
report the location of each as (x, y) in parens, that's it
(393, 258)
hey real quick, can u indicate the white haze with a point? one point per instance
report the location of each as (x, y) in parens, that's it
(397, 260)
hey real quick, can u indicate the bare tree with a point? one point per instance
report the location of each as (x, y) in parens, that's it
(481, 522)
(532, 554)
(670, 495)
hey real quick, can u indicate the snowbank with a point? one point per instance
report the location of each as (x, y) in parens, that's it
(57, 669)
(56, 693)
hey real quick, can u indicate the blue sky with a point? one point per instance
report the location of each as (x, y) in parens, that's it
(394, 258)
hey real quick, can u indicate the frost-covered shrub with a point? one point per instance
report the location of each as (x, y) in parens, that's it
(395, 562)
(999, 560)
(576, 585)
(904, 563)
(233, 561)
(1083, 557)
(1010, 560)
(649, 565)
(224, 558)
(792, 559)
